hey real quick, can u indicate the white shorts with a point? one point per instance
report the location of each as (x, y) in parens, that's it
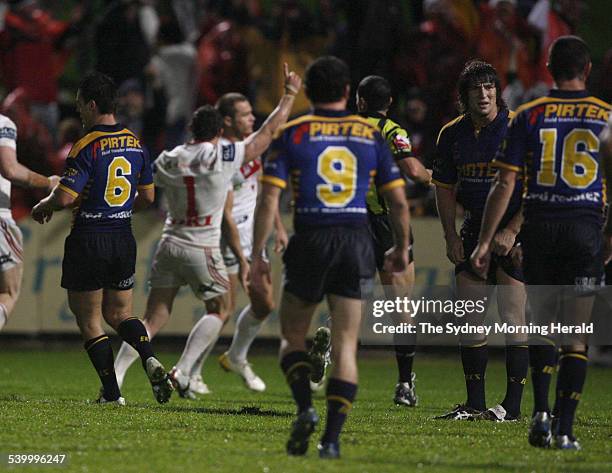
(11, 244)
(202, 268)
(245, 230)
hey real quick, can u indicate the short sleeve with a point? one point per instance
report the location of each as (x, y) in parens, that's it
(233, 153)
(76, 172)
(276, 163)
(511, 154)
(399, 142)
(444, 169)
(387, 171)
(145, 180)
(8, 133)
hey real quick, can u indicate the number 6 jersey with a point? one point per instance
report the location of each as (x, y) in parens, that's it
(103, 171)
(554, 141)
(331, 158)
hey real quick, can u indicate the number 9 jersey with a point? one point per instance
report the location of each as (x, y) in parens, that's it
(103, 171)
(331, 158)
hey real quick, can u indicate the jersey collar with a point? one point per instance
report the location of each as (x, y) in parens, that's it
(107, 128)
(568, 94)
(330, 113)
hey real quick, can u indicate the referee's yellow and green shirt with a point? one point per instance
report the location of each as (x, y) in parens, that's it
(401, 148)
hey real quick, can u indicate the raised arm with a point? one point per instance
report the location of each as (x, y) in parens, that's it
(259, 141)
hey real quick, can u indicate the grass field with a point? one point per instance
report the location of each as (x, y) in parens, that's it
(44, 409)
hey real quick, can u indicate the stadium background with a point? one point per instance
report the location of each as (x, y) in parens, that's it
(212, 47)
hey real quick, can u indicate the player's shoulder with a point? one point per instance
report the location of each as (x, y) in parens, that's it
(6, 122)
(451, 127)
(96, 134)
(8, 129)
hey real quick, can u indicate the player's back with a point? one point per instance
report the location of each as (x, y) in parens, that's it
(195, 178)
(104, 169)
(558, 135)
(331, 158)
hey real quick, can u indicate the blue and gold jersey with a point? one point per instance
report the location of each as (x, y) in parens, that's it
(331, 158)
(463, 159)
(554, 142)
(103, 171)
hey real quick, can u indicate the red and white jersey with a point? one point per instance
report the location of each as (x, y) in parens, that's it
(195, 178)
(8, 138)
(244, 184)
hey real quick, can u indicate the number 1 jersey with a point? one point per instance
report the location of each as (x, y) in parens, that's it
(104, 169)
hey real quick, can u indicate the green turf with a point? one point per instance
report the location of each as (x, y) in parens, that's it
(43, 408)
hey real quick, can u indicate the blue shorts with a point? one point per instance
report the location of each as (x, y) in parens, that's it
(95, 261)
(335, 260)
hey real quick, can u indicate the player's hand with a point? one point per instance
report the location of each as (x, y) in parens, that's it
(480, 260)
(42, 212)
(244, 273)
(454, 249)
(503, 241)
(281, 240)
(607, 239)
(53, 182)
(396, 260)
(293, 82)
(516, 253)
(261, 274)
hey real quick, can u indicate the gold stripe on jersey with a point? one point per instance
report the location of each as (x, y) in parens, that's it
(145, 186)
(449, 124)
(330, 120)
(500, 164)
(553, 100)
(437, 183)
(275, 181)
(68, 190)
(392, 185)
(94, 135)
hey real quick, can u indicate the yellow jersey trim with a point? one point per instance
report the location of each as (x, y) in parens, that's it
(146, 186)
(68, 190)
(449, 124)
(437, 183)
(275, 181)
(392, 185)
(509, 167)
(94, 135)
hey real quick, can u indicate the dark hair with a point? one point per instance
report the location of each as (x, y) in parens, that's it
(376, 91)
(101, 89)
(227, 104)
(567, 58)
(206, 123)
(477, 72)
(326, 79)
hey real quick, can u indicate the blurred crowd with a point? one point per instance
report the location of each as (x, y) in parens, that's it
(168, 57)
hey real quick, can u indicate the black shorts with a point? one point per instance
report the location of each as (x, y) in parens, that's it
(329, 260)
(99, 261)
(382, 237)
(568, 253)
(505, 263)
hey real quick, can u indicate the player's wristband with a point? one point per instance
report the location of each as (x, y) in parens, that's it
(289, 90)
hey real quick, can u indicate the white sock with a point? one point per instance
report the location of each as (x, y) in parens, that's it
(3, 316)
(247, 328)
(197, 367)
(126, 356)
(203, 335)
